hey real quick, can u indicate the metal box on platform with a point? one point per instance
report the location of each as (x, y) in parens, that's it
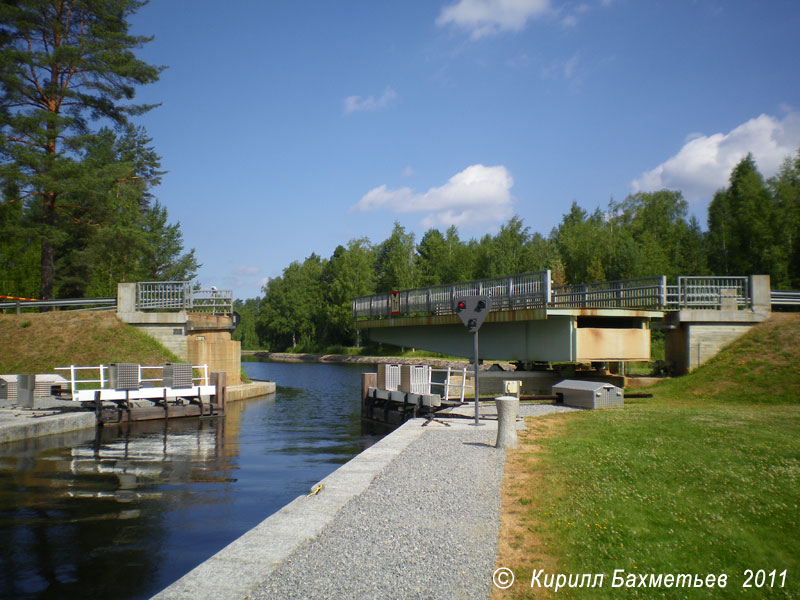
(589, 394)
(388, 377)
(415, 379)
(125, 376)
(177, 375)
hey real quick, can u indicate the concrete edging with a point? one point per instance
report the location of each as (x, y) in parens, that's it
(234, 393)
(244, 563)
(30, 426)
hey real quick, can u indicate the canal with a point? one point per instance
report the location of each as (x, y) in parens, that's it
(124, 511)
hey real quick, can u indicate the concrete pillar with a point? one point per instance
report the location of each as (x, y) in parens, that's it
(507, 409)
(126, 297)
(760, 293)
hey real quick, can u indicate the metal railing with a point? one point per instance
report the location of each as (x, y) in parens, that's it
(534, 290)
(76, 382)
(785, 297)
(529, 290)
(645, 292)
(709, 292)
(163, 295)
(71, 303)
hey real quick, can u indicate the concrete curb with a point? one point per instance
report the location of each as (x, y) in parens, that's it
(234, 393)
(19, 425)
(244, 563)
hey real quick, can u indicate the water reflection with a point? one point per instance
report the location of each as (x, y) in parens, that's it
(125, 511)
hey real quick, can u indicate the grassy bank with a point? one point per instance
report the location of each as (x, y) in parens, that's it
(37, 343)
(704, 478)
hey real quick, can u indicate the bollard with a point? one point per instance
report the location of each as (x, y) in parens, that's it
(507, 408)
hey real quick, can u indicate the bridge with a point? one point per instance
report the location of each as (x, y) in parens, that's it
(534, 321)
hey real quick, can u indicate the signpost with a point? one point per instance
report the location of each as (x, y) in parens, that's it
(472, 311)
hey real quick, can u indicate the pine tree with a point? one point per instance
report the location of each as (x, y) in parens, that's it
(65, 66)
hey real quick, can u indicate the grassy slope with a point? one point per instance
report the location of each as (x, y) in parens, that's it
(37, 343)
(703, 478)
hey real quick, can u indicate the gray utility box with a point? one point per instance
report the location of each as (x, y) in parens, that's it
(389, 377)
(415, 379)
(589, 394)
(177, 375)
(124, 376)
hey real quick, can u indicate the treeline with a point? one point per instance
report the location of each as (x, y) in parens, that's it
(754, 228)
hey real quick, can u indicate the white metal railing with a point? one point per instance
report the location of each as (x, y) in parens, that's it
(449, 371)
(180, 295)
(104, 381)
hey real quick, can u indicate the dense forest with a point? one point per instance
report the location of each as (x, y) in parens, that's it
(753, 228)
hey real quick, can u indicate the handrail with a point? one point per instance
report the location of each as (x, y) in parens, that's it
(180, 295)
(535, 290)
(528, 290)
(104, 380)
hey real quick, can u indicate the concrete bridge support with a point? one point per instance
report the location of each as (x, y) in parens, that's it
(197, 338)
(696, 335)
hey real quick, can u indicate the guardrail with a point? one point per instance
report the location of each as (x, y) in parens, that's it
(161, 295)
(105, 303)
(785, 297)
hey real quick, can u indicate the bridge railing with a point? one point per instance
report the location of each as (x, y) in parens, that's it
(533, 290)
(180, 295)
(529, 290)
(710, 292)
(645, 292)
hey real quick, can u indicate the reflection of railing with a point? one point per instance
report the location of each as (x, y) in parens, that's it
(180, 295)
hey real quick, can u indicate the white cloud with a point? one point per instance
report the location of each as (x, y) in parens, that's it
(486, 17)
(246, 271)
(357, 103)
(705, 162)
(408, 171)
(478, 194)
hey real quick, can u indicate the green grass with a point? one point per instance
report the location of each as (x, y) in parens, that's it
(704, 478)
(37, 343)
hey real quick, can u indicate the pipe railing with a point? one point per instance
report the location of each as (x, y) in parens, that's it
(535, 290)
(161, 295)
(529, 290)
(75, 381)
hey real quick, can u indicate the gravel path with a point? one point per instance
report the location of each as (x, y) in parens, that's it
(425, 528)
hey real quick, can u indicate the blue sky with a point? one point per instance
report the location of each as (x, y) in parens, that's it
(288, 128)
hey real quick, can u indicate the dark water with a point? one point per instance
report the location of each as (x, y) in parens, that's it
(124, 512)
